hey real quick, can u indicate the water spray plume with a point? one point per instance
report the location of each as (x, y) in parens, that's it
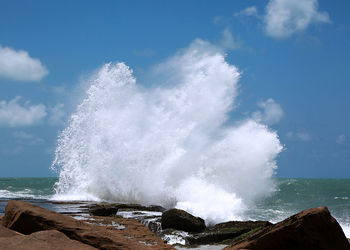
(167, 144)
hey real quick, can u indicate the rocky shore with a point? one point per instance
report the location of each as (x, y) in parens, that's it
(132, 226)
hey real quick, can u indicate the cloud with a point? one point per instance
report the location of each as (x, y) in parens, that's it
(271, 112)
(22, 135)
(19, 66)
(286, 17)
(26, 138)
(249, 11)
(57, 114)
(11, 151)
(217, 20)
(228, 42)
(340, 139)
(302, 136)
(16, 114)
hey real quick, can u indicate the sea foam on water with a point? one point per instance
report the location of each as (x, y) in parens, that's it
(170, 143)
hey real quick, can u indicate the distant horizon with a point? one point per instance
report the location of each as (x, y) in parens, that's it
(53, 177)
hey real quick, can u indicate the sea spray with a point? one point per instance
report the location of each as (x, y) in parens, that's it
(170, 143)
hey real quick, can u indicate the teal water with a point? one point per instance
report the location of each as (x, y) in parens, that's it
(290, 197)
(294, 195)
(27, 188)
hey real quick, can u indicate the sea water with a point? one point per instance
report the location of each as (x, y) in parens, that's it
(290, 197)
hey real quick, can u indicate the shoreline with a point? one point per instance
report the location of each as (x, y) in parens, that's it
(139, 222)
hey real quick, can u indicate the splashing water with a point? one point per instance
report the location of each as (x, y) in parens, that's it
(167, 144)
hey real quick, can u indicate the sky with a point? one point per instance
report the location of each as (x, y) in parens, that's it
(293, 56)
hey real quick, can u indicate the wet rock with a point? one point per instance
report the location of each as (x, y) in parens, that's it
(311, 229)
(27, 218)
(103, 210)
(173, 236)
(50, 239)
(225, 231)
(181, 220)
(112, 209)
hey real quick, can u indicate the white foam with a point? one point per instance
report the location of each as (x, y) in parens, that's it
(22, 194)
(170, 144)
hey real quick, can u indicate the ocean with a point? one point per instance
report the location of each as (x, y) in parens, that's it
(291, 196)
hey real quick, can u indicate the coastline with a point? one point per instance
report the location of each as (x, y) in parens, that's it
(145, 225)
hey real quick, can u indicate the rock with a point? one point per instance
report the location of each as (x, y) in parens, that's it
(103, 210)
(181, 220)
(50, 239)
(27, 218)
(5, 232)
(311, 229)
(240, 225)
(131, 228)
(226, 231)
(112, 209)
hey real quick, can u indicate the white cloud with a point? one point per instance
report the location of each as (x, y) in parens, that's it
(16, 114)
(11, 151)
(302, 136)
(22, 135)
(217, 19)
(228, 42)
(19, 66)
(271, 112)
(26, 138)
(249, 11)
(286, 17)
(57, 114)
(341, 138)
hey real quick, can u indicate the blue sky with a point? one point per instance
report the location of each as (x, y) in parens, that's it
(293, 55)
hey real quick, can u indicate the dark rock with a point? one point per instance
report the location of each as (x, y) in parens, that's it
(240, 225)
(103, 210)
(181, 220)
(112, 209)
(27, 218)
(311, 229)
(225, 231)
(50, 239)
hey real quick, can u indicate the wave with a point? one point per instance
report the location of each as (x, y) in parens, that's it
(171, 143)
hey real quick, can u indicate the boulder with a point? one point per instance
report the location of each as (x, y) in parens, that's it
(181, 220)
(311, 229)
(27, 218)
(225, 232)
(50, 239)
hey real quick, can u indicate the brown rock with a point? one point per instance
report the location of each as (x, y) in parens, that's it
(42, 240)
(311, 229)
(27, 218)
(5, 232)
(181, 220)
